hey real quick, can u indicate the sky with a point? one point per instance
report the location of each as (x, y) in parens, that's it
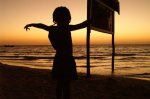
(132, 26)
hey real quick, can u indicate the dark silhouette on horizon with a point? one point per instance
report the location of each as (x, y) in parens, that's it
(64, 66)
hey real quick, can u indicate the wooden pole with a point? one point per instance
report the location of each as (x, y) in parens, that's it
(88, 38)
(113, 53)
(113, 45)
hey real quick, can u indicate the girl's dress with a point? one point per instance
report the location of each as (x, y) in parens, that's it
(64, 66)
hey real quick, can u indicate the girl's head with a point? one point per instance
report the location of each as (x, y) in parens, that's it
(61, 15)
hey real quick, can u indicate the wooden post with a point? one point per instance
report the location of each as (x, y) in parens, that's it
(88, 38)
(113, 53)
(113, 45)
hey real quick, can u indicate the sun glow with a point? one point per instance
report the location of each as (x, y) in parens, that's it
(131, 26)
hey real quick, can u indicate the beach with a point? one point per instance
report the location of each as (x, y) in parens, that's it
(18, 82)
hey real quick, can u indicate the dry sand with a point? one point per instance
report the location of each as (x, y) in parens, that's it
(26, 83)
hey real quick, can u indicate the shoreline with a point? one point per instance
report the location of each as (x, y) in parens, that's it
(28, 83)
(128, 74)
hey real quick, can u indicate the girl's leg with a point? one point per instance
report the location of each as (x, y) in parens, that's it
(66, 89)
(59, 89)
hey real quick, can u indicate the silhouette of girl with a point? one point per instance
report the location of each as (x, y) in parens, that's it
(64, 66)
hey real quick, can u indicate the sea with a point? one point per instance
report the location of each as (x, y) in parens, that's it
(130, 60)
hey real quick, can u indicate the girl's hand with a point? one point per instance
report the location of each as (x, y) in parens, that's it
(27, 27)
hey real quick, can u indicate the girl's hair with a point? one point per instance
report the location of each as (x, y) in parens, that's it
(61, 14)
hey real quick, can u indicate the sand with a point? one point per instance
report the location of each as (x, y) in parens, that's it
(27, 83)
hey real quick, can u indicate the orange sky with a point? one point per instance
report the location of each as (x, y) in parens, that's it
(131, 26)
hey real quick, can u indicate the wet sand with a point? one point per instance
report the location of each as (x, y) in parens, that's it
(27, 83)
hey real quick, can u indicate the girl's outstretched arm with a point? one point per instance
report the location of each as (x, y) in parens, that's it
(37, 25)
(79, 26)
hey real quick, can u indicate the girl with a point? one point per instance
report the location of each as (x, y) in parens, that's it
(64, 66)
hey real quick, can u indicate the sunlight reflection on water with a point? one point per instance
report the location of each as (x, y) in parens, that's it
(129, 59)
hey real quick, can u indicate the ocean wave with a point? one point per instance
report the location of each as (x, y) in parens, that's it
(134, 58)
(142, 75)
(84, 66)
(35, 58)
(9, 56)
(143, 66)
(125, 54)
(127, 67)
(91, 57)
(24, 57)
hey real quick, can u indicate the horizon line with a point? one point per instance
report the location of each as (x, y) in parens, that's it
(73, 44)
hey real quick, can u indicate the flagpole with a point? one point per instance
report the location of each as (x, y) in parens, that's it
(88, 38)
